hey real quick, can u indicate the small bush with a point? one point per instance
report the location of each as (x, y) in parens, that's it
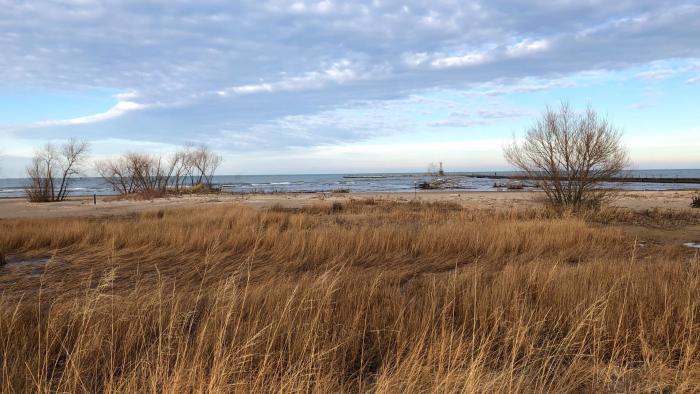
(696, 201)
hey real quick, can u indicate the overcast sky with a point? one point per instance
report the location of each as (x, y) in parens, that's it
(355, 86)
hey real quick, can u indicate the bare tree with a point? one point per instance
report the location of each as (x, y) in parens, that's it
(181, 165)
(205, 162)
(117, 174)
(52, 169)
(40, 174)
(571, 154)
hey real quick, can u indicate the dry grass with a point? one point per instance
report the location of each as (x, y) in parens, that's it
(363, 296)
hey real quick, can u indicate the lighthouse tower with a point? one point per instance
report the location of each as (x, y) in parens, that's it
(440, 171)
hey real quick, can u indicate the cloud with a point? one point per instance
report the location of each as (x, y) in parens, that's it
(693, 81)
(469, 59)
(483, 117)
(503, 113)
(119, 109)
(461, 59)
(524, 85)
(527, 47)
(338, 73)
(656, 75)
(457, 119)
(280, 73)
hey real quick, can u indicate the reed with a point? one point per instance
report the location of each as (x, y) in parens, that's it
(368, 296)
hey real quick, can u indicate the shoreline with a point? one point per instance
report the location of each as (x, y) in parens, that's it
(108, 206)
(387, 192)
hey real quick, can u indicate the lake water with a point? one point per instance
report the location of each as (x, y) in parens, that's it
(389, 182)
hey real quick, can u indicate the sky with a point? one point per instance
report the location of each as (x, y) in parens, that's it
(283, 87)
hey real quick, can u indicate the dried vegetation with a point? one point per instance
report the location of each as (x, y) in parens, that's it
(362, 296)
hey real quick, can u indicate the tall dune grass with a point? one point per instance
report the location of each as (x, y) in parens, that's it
(368, 296)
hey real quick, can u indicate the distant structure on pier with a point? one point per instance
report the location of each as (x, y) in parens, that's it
(440, 171)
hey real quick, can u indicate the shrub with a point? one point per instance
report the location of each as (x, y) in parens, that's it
(571, 154)
(186, 171)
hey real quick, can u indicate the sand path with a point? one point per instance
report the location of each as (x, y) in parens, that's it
(19, 208)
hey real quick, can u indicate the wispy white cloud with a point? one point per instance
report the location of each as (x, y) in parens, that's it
(528, 47)
(503, 113)
(491, 54)
(656, 75)
(340, 72)
(457, 119)
(302, 7)
(119, 109)
(522, 85)
(463, 60)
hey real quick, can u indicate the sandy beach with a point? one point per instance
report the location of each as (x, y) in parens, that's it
(107, 206)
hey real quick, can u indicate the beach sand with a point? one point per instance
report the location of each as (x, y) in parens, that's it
(108, 206)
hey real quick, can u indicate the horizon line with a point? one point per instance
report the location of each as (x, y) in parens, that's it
(393, 173)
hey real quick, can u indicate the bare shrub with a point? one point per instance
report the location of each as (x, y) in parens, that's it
(52, 170)
(695, 203)
(204, 164)
(185, 171)
(136, 173)
(149, 173)
(571, 154)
